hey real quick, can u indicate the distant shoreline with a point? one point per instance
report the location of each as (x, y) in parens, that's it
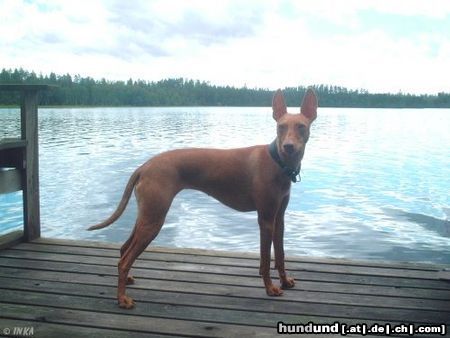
(199, 106)
(77, 91)
(190, 106)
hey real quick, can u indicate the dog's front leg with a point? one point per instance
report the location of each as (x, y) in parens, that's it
(278, 234)
(266, 227)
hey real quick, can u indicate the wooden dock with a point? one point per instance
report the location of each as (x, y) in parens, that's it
(63, 288)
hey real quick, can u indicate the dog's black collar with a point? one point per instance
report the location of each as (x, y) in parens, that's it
(293, 174)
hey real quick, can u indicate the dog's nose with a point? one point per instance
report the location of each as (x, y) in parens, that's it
(288, 148)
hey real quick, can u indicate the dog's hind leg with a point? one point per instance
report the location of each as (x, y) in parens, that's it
(152, 212)
(123, 249)
(141, 238)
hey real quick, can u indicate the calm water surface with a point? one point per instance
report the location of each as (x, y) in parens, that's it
(375, 183)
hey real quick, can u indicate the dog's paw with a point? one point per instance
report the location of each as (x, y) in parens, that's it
(126, 302)
(287, 283)
(130, 280)
(274, 291)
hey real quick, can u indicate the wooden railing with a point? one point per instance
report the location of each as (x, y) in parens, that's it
(19, 163)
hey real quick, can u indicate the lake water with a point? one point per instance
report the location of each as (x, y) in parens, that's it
(375, 182)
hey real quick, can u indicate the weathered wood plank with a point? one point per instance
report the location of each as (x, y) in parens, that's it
(180, 264)
(42, 329)
(107, 293)
(12, 143)
(71, 263)
(183, 300)
(235, 261)
(146, 269)
(132, 323)
(190, 312)
(10, 239)
(29, 128)
(253, 291)
(241, 255)
(444, 274)
(311, 307)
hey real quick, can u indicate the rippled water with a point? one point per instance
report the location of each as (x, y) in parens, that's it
(375, 183)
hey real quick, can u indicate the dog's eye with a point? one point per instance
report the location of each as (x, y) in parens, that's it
(282, 127)
(301, 128)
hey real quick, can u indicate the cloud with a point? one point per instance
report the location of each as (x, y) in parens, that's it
(377, 45)
(196, 26)
(201, 23)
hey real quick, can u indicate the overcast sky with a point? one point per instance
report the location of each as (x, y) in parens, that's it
(382, 46)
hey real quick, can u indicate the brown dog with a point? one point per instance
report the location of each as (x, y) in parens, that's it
(246, 179)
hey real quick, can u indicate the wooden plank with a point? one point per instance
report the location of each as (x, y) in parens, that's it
(444, 274)
(262, 314)
(29, 123)
(10, 180)
(190, 312)
(329, 266)
(188, 271)
(303, 275)
(255, 291)
(159, 298)
(147, 296)
(160, 270)
(44, 329)
(312, 306)
(10, 239)
(132, 323)
(238, 267)
(12, 143)
(175, 311)
(242, 255)
(148, 269)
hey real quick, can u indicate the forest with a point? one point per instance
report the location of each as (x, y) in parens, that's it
(75, 90)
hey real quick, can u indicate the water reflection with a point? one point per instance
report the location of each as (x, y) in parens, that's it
(374, 183)
(439, 226)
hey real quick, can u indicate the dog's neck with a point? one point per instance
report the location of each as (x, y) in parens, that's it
(293, 172)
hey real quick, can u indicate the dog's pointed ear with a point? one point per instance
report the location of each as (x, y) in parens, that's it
(309, 105)
(278, 105)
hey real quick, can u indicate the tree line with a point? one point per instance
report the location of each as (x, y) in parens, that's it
(85, 91)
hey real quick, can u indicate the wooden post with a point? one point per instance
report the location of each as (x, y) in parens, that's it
(29, 121)
(21, 158)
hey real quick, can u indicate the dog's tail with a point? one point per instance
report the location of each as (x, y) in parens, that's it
(122, 205)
